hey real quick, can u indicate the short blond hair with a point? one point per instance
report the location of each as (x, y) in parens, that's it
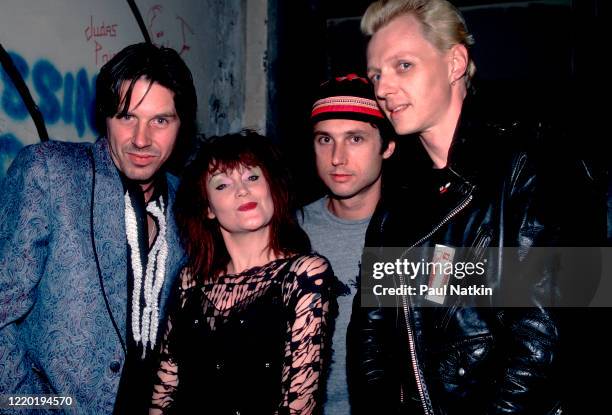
(443, 25)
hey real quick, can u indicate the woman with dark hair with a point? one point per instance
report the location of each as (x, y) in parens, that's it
(250, 330)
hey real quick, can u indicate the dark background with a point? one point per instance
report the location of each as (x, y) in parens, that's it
(535, 59)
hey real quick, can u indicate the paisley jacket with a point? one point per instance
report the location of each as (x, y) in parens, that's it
(62, 307)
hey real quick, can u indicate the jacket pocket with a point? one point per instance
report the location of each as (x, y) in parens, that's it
(464, 365)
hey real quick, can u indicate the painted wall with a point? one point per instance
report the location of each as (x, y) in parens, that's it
(60, 45)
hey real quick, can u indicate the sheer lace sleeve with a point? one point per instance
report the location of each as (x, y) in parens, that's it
(167, 378)
(308, 294)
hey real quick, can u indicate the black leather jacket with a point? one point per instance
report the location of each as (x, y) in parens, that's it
(461, 359)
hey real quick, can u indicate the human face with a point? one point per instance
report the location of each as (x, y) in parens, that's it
(143, 139)
(240, 199)
(348, 156)
(412, 78)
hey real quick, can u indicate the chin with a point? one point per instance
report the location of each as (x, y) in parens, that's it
(404, 127)
(343, 195)
(139, 176)
(337, 190)
(255, 225)
(340, 194)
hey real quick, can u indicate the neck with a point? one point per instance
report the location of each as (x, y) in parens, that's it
(147, 190)
(437, 140)
(247, 249)
(361, 206)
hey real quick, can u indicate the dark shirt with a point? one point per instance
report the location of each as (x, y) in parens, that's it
(232, 345)
(135, 387)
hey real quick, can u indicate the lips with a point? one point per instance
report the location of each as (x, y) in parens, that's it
(247, 206)
(140, 159)
(340, 177)
(395, 111)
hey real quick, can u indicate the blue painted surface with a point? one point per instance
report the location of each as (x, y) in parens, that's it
(67, 97)
(47, 82)
(9, 147)
(84, 103)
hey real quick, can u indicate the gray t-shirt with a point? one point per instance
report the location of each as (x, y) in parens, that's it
(341, 242)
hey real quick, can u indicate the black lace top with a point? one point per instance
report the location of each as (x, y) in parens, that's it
(249, 343)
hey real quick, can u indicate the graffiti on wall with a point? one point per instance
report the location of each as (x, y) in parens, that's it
(160, 23)
(66, 97)
(96, 32)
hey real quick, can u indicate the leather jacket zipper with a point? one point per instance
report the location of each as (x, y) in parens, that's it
(448, 217)
(422, 388)
(423, 395)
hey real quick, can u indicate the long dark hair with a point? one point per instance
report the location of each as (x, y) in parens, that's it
(157, 65)
(200, 235)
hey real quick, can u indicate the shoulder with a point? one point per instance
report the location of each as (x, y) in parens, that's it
(312, 213)
(173, 183)
(60, 149)
(316, 207)
(310, 266)
(36, 164)
(308, 275)
(52, 154)
(498, 150)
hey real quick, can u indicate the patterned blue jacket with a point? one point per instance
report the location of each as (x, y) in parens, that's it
(56, 332)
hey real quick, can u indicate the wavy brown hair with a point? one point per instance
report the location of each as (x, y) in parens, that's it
(201, 235)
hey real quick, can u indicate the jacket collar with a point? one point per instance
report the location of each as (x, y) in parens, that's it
(110, 239)
(109, 234)
(474, 152)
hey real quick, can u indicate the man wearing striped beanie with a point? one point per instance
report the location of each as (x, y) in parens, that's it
(351, 138)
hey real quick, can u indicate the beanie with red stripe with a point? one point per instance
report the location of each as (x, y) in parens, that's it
(349, 97)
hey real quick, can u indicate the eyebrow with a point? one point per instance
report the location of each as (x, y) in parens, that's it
(401, 55)
(167, 115)
(215, 174)
(353, 132)
(219, 172)
(160, 115)
(349, 132)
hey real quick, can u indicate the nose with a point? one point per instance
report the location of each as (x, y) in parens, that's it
(339, 155)
(141, 137)
(242, 189)
(383, 87)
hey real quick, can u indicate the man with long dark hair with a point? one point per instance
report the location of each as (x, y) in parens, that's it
(88, 243)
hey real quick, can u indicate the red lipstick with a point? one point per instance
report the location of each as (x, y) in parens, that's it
(247, 206)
